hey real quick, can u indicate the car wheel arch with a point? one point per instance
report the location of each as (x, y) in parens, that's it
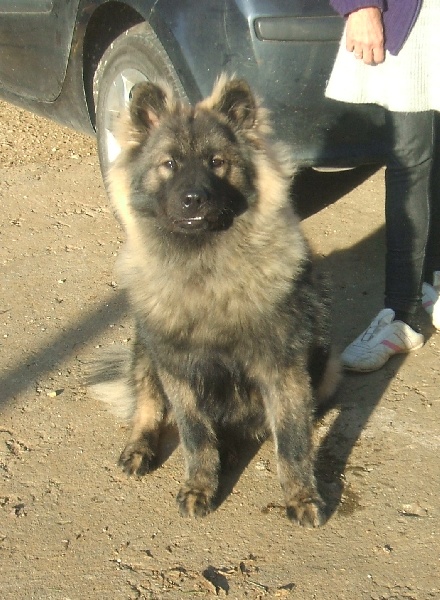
(135, 55)
(107, 22)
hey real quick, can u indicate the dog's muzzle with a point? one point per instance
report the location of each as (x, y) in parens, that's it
(196, 212)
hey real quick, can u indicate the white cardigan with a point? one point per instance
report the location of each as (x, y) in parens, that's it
(408, 82)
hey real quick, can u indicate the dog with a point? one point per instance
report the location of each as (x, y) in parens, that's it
(232, 323)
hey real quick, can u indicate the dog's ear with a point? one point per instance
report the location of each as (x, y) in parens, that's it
(148, 103)
(235, 99)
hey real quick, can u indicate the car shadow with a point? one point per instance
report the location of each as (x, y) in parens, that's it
(314, 190)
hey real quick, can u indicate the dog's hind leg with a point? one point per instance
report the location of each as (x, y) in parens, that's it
(199, 444)
(289, 410)
(325, 373)
(140, 454)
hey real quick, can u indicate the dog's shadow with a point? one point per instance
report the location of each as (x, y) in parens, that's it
(235, 457)
(356, 401)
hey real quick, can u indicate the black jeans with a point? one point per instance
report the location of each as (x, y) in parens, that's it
(412, 208)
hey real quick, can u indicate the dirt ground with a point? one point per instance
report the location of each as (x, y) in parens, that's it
(73, 526)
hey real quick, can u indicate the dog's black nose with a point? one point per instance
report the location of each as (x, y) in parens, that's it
(193, 200)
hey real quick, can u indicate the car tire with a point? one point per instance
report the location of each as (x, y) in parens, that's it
(136, 55)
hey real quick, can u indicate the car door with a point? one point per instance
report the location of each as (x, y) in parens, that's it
(35, 39)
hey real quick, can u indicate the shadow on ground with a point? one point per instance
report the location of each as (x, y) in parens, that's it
(46, 358)
(314, 190)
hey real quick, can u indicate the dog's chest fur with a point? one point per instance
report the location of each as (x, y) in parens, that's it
(217, 295)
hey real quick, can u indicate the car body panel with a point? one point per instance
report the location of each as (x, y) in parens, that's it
(288, 73)
(284, 48)
(35, 41)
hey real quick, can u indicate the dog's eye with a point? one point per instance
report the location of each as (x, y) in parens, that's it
(170, 164)
(216, 162)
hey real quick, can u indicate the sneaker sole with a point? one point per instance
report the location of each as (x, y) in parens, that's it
(371, 370)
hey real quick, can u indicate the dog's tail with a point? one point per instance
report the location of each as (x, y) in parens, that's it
(108, 380)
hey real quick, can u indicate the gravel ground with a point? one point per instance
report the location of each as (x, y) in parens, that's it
(72, 526)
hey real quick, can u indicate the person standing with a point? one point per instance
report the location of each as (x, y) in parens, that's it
(389, 56)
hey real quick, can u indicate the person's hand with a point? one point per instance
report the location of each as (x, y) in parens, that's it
(364, 35)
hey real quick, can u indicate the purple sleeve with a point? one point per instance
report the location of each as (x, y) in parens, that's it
(398, 17)
(345, 7)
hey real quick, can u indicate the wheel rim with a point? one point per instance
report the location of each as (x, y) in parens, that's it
(116, 102)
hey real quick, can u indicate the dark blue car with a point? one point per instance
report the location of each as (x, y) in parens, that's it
(75, 61)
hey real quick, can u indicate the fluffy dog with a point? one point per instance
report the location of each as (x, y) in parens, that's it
(231, 321)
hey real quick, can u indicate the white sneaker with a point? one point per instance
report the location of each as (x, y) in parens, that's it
(381, 340)
(431, 299)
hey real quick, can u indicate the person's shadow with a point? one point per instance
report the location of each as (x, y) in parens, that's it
(357, 276)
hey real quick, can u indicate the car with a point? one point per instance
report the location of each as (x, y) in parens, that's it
(76, 61)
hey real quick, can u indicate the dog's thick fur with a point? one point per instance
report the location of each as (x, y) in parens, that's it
(232, 326)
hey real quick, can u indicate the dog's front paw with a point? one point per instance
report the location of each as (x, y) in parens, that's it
(137, 458)
(308, 512)
(193, 502)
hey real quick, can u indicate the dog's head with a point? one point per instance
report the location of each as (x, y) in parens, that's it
(192, 170)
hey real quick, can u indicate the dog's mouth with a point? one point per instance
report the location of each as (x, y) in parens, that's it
(191, 224)
(203, 223)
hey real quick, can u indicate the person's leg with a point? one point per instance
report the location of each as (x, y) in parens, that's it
(407, 210)
(431, 287)
(432, 262)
